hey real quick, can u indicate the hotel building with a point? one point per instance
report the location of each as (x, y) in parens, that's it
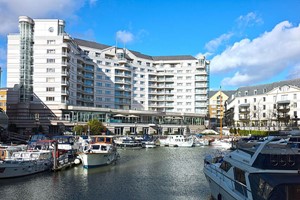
(58, 81)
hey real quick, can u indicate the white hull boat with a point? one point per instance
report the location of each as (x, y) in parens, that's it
(25, 163)
(265, 172)
(177, 141)
(100, 152)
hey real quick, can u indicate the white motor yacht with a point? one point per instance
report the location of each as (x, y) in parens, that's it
(23, 163)
(176, 141)
(265, 171)
(101, 151)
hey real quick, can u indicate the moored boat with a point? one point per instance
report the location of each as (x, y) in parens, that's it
(24, 163)
(126, 142)
(177, 141)
(101, 151)
(265, 171)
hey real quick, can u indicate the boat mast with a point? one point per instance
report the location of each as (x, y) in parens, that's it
(221, 110)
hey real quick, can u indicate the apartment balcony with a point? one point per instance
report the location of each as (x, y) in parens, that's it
(123, 88)
(64, 82)
(120, 81)
(152, 85)
(122, 61)
(283, 106)
(244, 108)
(243, 117)
(65, 73)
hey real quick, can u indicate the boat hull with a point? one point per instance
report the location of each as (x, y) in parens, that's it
(12, 169)
(91, 160)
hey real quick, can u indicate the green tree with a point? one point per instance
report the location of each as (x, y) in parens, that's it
(96, 127)
(79, 129)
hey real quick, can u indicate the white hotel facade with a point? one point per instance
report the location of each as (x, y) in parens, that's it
(58, 81)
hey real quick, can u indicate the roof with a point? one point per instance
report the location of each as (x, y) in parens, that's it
(267, 87)
(226, 92)
(99, 46)
(90, 44)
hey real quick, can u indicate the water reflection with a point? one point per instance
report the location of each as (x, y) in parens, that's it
(160, 173)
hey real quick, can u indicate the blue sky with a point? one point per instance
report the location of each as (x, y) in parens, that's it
(248, 42)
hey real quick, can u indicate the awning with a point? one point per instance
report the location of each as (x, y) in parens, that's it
(119, 115)
(132, 116)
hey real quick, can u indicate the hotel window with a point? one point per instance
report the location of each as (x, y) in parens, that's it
(188, 90)
(142, 82)
(179, 78)
(255, 92)
(142, 95)
(188, 97)
(188, 71)
(50, 80)
(188, 78)
(139, 62)
(86, 52)
(148, 64)
(50, 60)
(98, 91)
(295, 96)
(50, 41)
(107, 70)
(99, 62)
(254, 100)
(188, 103)
(142, 76)
(179, 103)
(51, 51)
(50, 89)
(179, 84)
(295, 105)
(264, 107)
(99, 77)
(246, 93)
(264, 98)
(50, 70)
(179, 71)
(179, 90)
(107, 78)
(50, 98)
(189, 64)
(254, 107)
(264, 114)
(98, 84)
(179, 97)
(107, 85)
(265, 90)
(108, 63)
(97, 54)
(245, 100)
(142, 89)
(284, 97)
(188, 84)
(142, 69)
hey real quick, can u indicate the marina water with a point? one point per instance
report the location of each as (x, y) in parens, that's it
(165, 173)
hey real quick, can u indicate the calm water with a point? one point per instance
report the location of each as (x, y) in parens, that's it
(160, 173)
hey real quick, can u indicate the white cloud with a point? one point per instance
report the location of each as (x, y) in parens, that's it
(10, 10)
(260, 58)
(215, 43)
(124, 36)
(249, 20)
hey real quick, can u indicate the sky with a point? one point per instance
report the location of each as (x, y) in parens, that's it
(248, 42)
